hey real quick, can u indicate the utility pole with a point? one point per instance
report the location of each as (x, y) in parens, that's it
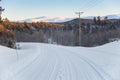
(119, 18)
(79, 32)
(119, 21)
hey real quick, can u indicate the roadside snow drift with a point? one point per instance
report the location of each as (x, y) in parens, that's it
(35, 61)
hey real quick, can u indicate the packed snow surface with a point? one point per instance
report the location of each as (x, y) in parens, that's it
(37, 61)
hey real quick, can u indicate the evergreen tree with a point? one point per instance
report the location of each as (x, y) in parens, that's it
(94, 19)
(106, 21)
(99, 20)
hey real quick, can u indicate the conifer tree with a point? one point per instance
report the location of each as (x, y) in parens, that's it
(106, 21)
(99, 20)
(94, 19)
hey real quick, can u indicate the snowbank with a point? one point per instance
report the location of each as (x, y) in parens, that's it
(36, 61)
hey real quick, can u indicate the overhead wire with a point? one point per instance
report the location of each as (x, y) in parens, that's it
(90, 5)
(86, 4)
(93, 4)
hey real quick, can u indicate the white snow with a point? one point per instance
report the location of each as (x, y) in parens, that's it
(37, 61)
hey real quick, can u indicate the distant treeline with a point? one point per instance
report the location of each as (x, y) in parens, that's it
(90, 33)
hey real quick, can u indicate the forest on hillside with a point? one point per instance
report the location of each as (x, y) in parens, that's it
(90, 32)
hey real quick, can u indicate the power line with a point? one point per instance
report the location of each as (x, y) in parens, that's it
(83, 5)
(90, 4)
(87, 4)
(94, 4)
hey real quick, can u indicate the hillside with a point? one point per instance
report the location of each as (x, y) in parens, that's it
(46, 19)
(76, 21)
(64, 20)
(36, 61)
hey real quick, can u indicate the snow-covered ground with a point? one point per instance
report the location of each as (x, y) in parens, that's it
(37, 61)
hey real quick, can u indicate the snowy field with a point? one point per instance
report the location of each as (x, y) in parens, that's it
(36, 61)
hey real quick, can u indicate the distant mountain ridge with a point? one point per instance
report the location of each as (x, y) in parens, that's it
(47, 19)
(116, 16)
(59, 19)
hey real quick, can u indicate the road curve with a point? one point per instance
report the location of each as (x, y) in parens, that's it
(56, 63)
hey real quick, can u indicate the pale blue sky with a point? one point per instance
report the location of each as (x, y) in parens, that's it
(23, 9)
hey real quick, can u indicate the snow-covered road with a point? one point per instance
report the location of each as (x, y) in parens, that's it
(53, 62)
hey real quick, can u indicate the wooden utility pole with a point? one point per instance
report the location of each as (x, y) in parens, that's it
(119, 18)
(79, 32)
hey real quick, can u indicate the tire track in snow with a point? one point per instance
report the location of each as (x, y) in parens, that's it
(72, 60)
(99, 71)
(57, 65)
(31, 68)
(63, 71)
(34, 68)
(16, 69)
(66, 68)
(60, 71)
(48, 69)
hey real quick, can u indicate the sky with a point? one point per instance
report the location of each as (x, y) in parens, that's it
(24, 9)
